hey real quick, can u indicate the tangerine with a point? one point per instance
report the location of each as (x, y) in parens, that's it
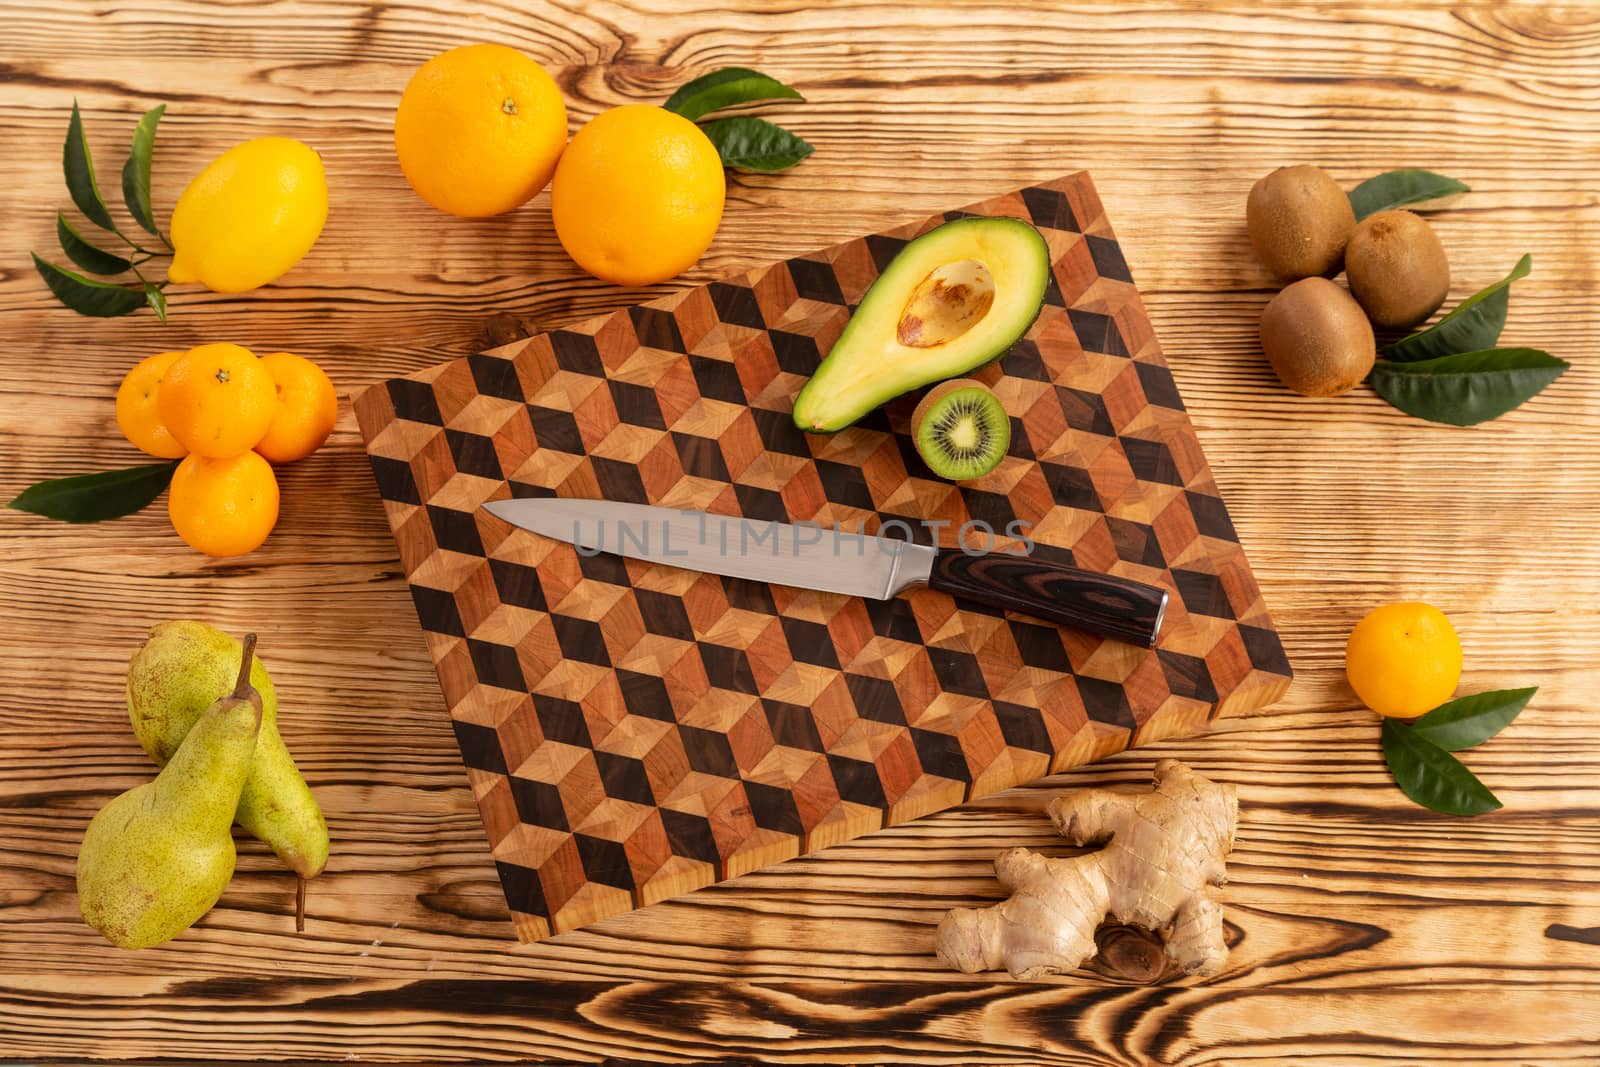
(223, 507)
(217, 400)
(1403, 659)
(305, 412)
(137, 414)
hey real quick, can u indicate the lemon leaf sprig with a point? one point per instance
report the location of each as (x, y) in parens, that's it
(1452, 372)
(727, 87)
(85, 254)
(1419, 753)
(1416, 189)
(85, 295)
(96, 497)
(136, 172)
(744, 142)
(1472, 325)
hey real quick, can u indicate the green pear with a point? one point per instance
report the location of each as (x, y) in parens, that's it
(171, 680)
(157, 857)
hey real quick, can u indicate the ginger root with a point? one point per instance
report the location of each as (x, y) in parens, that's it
(1163, 850)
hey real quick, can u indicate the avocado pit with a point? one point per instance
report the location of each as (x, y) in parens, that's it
(951, 300)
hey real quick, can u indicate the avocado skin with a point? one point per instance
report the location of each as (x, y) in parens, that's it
(894, 288)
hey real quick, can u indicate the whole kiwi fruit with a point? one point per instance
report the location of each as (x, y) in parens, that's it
(1299, 220)
(1317, 338)
(1397, 269)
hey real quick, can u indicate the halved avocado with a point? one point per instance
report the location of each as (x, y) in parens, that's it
(954, 299)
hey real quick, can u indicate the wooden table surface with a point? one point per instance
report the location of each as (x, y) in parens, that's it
(1365, 930)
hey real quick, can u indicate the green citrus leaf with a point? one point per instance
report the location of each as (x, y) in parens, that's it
(1473, 325)
(136, 171)
(726, 88)
(1431, 776)
(156, 299)
(1402, 188)
(95, 497)
(1469, 387)
(749, 143)
(1471, 720)
(85, 254)
(87, 297)
(79, 169)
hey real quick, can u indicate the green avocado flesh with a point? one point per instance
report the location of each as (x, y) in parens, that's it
(954, 299)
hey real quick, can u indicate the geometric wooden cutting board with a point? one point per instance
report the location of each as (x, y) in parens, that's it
(633, 731)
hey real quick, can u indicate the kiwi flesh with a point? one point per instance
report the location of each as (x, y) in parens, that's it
(1317, 338)
(1397, 269)
(1299, 220)
(960, 429)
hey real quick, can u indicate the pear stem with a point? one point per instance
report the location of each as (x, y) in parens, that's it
(300, 904)
(241, 688)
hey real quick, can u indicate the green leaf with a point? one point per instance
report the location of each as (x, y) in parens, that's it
(156, 299)
(79, 169)
(726, 88)
(1400, 188)
(1469, 387)
(1431, 776)
(87, 297)
(94, 497)
(1471, 720)
(750, 143)
(136, 171)
(1473, 325)
(85, 254)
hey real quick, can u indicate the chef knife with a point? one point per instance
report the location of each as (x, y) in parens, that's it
(809, 556)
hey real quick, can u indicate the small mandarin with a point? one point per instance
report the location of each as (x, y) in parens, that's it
(137, 414)
(217, 400)
(223, 507)
(306, 409)
(1403, 659)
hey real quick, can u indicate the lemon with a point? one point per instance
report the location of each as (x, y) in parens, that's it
(249, 216)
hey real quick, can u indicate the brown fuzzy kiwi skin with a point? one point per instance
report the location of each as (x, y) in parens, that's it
(1317, 338)
(1397, 269)
(1299, 220)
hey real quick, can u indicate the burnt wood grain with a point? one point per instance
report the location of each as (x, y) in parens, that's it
(1364, 930)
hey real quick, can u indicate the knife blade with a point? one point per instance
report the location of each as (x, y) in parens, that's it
(810, 556)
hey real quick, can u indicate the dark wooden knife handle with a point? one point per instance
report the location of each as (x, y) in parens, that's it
(1099, 603)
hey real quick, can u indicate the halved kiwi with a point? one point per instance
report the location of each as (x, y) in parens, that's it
(961, 430)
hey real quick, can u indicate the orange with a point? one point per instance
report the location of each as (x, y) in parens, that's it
(1403, 659)
(306, 409)
(638, 195)
(137, 416)
(223, 507)
(217, 400)
(479, 129)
